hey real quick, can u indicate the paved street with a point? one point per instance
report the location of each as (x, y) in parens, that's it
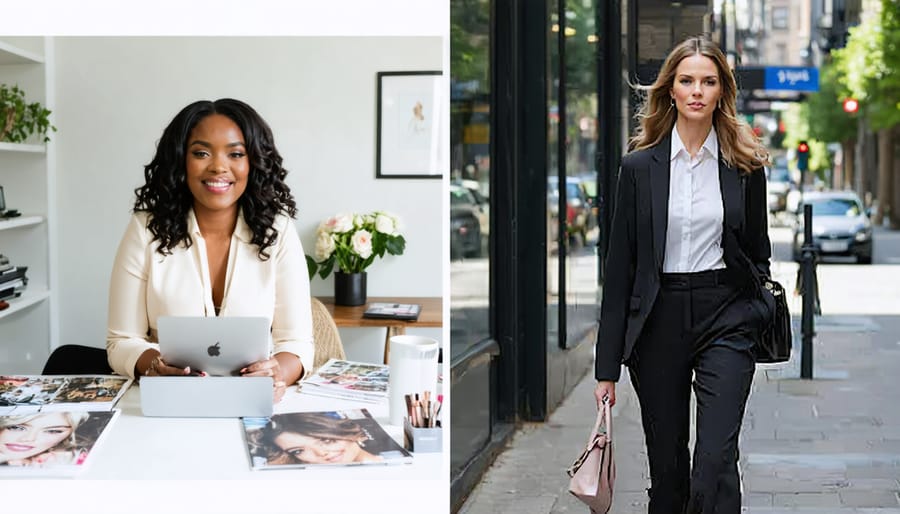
(827, 445)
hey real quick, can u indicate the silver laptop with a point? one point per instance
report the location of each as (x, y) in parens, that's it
(206, 397)
(218, 346)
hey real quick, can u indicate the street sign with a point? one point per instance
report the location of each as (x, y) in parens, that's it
(792, 78)
(753, 106)
(774, 81)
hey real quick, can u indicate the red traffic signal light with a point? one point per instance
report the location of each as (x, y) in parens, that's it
(851, 105)
(802, 156)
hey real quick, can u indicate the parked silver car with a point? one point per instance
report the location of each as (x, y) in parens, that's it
(841, 225)
(779, 184)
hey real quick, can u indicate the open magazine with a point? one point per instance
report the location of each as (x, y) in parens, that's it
(349, 380)
(334, 438)
(30, 393)
(50, 444)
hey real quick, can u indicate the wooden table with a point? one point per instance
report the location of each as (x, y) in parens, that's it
(431, 315)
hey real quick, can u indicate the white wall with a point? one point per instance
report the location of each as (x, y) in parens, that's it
(114, 96)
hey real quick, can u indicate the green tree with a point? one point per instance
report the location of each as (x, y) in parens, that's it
(827, 121)
(469, 44)
(868, 65)
(826, 118)
(797, 120)
(868, 70)
(887, 80)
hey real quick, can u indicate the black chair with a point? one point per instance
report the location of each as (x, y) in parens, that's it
(75, 359)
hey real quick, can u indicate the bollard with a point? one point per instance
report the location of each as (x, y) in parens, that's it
(809, 292)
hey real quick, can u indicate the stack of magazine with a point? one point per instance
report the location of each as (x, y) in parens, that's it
(333, 438)
(360, 381)
(31, 393)
(50, 425)
(12, 279)
(404, 311)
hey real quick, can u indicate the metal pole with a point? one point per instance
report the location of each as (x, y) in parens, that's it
(809, 291)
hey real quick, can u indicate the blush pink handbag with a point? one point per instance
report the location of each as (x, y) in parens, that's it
(594, 472)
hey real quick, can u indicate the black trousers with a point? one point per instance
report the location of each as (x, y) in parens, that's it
(704, 327)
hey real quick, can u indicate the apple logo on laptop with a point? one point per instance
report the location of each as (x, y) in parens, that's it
(213, 350)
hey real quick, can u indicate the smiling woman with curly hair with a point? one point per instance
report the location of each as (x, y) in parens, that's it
(166, 198)
(212, 235)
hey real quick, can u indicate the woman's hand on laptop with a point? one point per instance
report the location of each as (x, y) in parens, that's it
(158, 367)
(268, 368)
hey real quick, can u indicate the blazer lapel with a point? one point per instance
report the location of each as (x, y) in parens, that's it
(732, 199)
(659, 197)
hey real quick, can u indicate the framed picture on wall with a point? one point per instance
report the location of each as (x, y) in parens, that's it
(410, 125)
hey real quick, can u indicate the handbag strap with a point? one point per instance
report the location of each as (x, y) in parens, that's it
(759, 277)
(604, 414)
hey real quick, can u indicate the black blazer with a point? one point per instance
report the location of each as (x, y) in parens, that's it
(638, 240)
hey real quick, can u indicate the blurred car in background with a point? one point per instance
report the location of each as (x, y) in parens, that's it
(465, 224)
(779, 185)
(578, 208)
(589, 181)
(840, 225)
(480, 200)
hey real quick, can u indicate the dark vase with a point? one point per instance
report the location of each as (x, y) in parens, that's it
(349, 288)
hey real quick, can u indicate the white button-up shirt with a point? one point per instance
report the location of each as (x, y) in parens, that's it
(146, 285)
(694, 233)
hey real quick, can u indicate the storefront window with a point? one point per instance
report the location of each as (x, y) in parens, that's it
(555, 227)
(572, 224)
(470, 169)
(581, 170)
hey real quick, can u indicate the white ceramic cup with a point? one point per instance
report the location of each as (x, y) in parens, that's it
(413, 369)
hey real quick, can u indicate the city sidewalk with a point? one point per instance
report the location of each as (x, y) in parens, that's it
(827, 445)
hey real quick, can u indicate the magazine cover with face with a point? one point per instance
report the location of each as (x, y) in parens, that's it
(50, 444)
(334, 438)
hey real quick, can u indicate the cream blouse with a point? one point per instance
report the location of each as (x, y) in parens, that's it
(146, 285)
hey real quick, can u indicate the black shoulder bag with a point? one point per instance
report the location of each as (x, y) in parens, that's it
(776, 339)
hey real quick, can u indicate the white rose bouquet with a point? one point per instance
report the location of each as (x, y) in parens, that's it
(352, 241)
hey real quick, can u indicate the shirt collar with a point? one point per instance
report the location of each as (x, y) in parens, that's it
(711, 144)
(241, 229)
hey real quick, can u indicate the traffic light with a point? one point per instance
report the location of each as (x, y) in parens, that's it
(802, 156)
(851, 105)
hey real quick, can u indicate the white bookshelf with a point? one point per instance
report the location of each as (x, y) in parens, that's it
(20, 147)
(22, 221)
(27, 328)
(29, 297)
(10, 53)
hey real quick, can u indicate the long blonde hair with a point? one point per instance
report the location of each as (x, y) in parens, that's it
(739, 145)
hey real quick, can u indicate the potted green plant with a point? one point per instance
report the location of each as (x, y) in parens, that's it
(20, 119)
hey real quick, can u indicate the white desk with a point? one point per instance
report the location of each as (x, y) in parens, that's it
(200, 466)
(139, 447)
